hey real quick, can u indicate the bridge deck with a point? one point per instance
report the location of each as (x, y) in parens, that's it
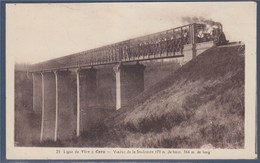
(59, 66)
(165, 44)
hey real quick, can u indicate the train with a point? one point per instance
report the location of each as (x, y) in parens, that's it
(205, 32)
(167, 43)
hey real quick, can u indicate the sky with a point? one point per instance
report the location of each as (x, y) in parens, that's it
(39, 32)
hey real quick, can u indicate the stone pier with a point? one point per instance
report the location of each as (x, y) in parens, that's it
(191, 51)
(201, 47)
(129, 82)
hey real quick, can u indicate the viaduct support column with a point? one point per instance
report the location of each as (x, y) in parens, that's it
(42, 102)
(78, 103)
(189, 52)
(33, 88)
(56, 106)
(129, 82)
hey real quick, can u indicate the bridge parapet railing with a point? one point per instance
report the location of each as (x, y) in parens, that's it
(167, 43)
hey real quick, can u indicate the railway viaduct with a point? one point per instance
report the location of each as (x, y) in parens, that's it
(64, 87)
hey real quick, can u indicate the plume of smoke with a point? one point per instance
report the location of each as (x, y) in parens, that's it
(200, 20)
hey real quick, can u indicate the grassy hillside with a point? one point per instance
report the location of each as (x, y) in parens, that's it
(200, 105)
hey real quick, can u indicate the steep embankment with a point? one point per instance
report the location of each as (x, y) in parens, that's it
(201, 104)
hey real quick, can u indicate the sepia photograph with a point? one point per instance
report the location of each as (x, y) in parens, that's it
(157, 80)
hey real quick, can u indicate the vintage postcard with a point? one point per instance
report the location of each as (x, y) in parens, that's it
(157, 80)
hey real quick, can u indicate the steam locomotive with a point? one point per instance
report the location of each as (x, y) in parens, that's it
(214, 33)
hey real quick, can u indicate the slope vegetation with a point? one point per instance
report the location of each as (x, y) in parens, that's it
(199, 105)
